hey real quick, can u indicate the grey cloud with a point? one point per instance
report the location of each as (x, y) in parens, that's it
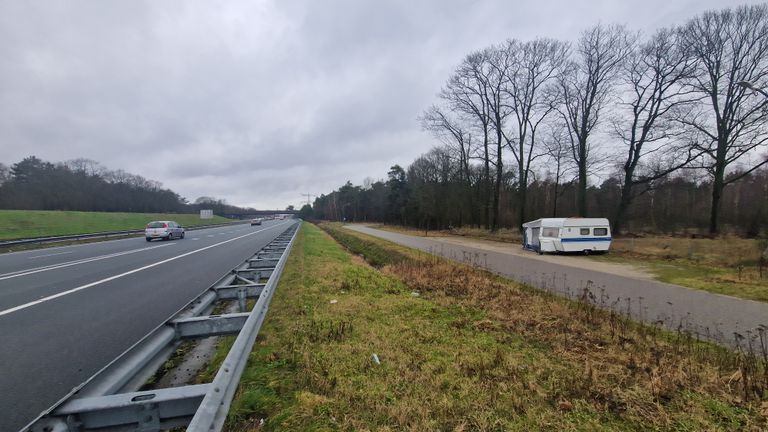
(255, 102)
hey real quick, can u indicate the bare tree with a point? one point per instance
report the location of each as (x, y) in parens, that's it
(558, 149)
(499, 60)
(536, 66)
(585, 88)
(86, 166)
(117, 176)
(467, 93)
(459, 147)
(452, 133)
(729, 46)
(655, 92)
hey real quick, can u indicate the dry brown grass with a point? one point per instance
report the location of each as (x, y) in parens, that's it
(723, 252)
(506, 235)
(622, 362)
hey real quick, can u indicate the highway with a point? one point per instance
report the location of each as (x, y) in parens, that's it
(65, 312)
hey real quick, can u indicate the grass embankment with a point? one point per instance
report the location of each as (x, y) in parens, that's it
(16, 224)
(461, 349)
(727, 265)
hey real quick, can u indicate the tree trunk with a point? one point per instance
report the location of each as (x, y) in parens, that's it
(557, 188)
(582, 194)
(497, 186)
(718, 183)
(621, 210)
(554, 200)
(487, 184)
(717, 195)
(625, 200)
(521, 196)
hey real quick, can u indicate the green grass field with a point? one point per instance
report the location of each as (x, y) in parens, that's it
(460, 349)
(16, 224)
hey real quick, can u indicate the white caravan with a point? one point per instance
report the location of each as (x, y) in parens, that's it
(567, 235)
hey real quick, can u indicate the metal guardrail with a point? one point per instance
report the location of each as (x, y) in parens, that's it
(104, 234)
(111, 401)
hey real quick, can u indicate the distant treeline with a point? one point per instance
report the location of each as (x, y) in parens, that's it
(85, 185)
(432, 194)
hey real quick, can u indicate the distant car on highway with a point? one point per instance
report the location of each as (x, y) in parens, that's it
(166, 230)
(255, 221)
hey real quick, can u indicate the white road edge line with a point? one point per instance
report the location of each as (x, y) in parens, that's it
(129, 272)
(50, 255)
(21, 252)
(17, 273)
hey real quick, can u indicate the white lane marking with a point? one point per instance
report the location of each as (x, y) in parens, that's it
(49, 255)
(196, 238)
(26, 272)
(209, 235)
(22, 252)
(129, 272)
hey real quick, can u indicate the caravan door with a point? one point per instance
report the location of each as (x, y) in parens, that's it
(535, 243)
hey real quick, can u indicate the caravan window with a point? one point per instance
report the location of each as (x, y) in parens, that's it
(601, 231)
(550, 232)
(584, 231)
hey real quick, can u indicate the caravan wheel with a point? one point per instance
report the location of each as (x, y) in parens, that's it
(586, 252)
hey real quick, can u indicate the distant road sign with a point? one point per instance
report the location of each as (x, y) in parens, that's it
(206, 214)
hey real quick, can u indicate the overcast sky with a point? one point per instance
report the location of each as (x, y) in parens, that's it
(253, 101)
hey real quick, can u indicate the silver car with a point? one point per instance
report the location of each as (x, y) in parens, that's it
(166, 230)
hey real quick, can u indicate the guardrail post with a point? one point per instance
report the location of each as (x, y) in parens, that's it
(241, 296)
(149, 418)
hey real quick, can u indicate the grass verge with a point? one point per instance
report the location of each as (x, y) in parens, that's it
(461, 349)
(17, 224)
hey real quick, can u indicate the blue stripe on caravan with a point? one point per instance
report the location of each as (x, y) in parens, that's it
(585, 239)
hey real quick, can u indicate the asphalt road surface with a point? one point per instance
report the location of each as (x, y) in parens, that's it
(712, 316)
(66, 312)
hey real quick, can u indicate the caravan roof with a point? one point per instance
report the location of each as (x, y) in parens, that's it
(567, 222)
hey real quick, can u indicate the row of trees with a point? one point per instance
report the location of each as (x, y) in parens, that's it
(85, 185)
(674, 109)
(430, 195)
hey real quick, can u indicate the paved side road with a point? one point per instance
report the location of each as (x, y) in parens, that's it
(713, 316)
